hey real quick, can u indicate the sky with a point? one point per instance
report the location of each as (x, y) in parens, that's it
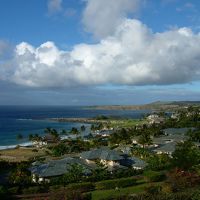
(99, 52)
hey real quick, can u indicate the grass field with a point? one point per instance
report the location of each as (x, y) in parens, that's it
(20, 154)
(101, 194)
(126, 123)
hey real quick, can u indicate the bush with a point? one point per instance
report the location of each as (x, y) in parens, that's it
(35, 190)
(83, 187)
(154, 176)
(87, 196)
(3, 193)
(153, 189)
(63, 193)
(181, 180)
(31, 190)
(116, 183)
(14, 190)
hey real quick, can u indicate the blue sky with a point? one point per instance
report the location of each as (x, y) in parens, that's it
(90, 52)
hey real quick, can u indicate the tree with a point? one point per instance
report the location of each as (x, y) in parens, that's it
(60, 149)
(30, 137)
(99, 173)
(145, 139)
(74, 174)
(186, 155)
(19, 136)
(52, 131)
(121, 136)
(35, 137)
(83, 128)
(20, 175)
(74, 131)
(159, 162)
(63, 131)
(194, 135)
(92, 128)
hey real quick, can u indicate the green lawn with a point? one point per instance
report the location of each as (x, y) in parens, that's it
(126, 123)
(101, 194)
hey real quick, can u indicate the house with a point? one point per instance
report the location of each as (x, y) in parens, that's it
(112, 159)
(50, 138)
(135, 139)
(138, 164)
(175, 115)
(168, 139)
(55, 168)
(155, 119)
(167, 148)
(105, 155)
(176, 131)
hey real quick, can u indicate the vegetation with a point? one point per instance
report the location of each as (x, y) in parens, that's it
(74, 131)
(19, 136)
(166, 177)
(186, 155)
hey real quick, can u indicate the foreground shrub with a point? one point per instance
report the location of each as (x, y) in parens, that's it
(35, 190)
(116, 183)
(153, 189)
(154, 176)
(83, 187)
(64, 194)
(180, 180)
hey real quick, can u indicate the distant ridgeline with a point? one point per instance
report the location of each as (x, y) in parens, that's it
(158, 105)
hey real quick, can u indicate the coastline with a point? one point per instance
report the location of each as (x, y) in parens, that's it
(77, 120)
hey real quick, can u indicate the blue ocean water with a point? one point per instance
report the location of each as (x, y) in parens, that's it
(31, 119)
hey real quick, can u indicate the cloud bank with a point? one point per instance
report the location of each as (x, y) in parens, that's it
(101, 17)
(133, 55)
(128, 53)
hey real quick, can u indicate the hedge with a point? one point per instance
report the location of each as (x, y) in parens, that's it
(35, 190)
(154, 176)
(115, 183)
(83, 187)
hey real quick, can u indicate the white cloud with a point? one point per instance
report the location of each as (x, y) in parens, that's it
(101, 17)
(54, 6)
(133, 55)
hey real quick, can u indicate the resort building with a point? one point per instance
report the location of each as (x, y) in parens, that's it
(168, 148)
(155, 119)
(104, 155)
(112, 159)
(55, 168)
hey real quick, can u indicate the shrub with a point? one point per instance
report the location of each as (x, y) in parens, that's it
(14, 190)
(35, 189)
(180, 180)
(153, 189)
(83, 187)
(62, 194)
(87, 196)
(120, 183)
(31, 190)
(154, 176)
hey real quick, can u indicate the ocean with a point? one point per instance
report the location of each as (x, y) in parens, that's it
(27, 120)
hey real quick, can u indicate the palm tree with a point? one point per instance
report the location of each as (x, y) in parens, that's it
(145, 139)
(19, 136)
(74, 131)
(83, 128)
(30, 137)
(92, 128)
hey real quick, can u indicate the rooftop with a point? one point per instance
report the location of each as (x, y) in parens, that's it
(59, 167)
(102, 154)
